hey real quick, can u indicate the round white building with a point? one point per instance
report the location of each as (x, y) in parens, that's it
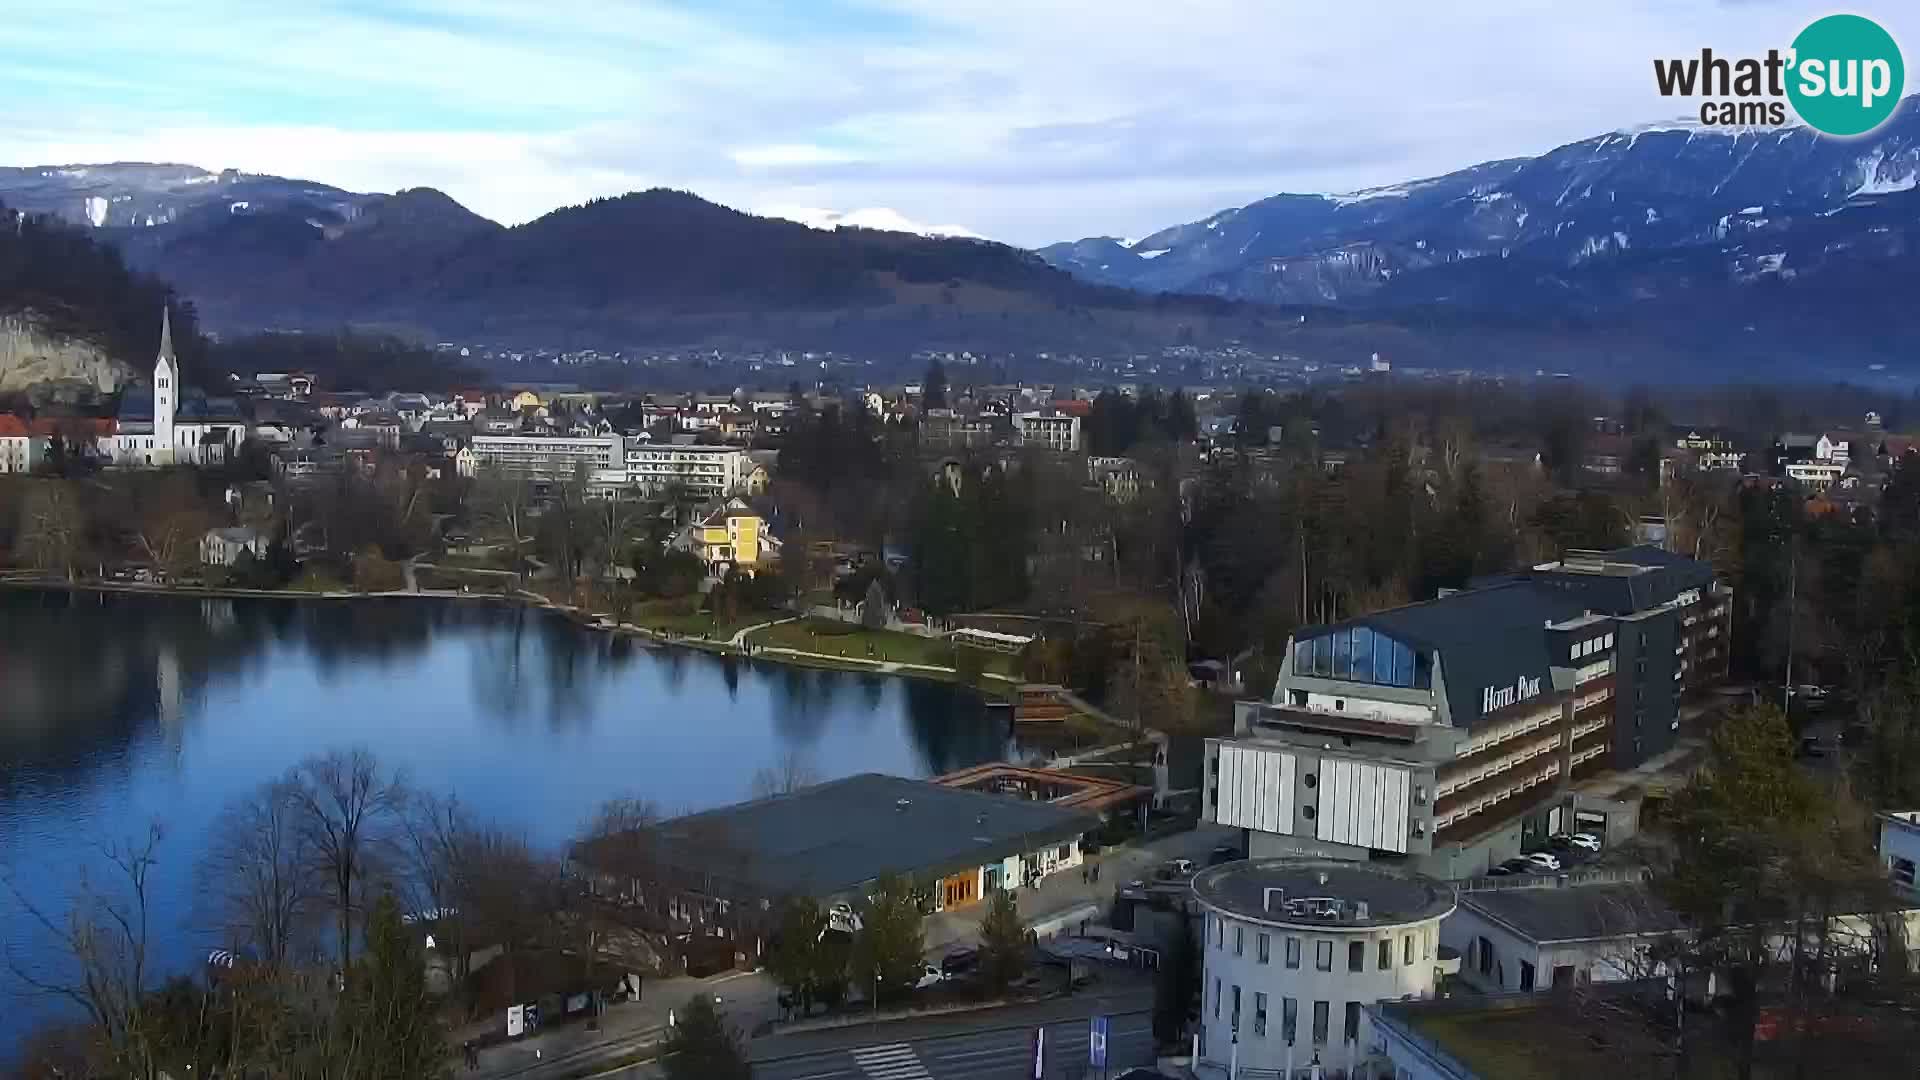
(1294, 950)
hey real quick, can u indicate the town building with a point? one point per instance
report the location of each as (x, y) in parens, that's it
(1900, 849)
(1449, 732)
(20, 449)
(1552, 936)
(1050, 430)
(731, 535)
(1293, 951)
(165, 425)
(223, 547)
(834, 841)
(704, 472)
(547, 457)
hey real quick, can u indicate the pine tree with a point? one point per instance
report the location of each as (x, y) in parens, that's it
(702, 1046)
(389, 1011)
(1003, 942)
(887, 953)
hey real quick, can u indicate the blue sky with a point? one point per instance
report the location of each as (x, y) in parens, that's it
(1026, 121)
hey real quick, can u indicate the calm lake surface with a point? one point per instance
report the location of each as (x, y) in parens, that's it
(117, 711)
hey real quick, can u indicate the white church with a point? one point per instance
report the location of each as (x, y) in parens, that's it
(197, 431)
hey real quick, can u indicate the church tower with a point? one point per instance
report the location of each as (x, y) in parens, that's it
(166, 390)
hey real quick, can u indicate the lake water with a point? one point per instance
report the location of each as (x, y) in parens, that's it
(117, 711)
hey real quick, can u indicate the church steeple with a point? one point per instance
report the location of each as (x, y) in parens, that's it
(166, 391)
(166, 332)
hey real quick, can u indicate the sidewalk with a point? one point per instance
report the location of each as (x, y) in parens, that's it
(1064, 893)
(747, 998)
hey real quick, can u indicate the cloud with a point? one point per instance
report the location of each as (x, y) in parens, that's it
(1028, 121)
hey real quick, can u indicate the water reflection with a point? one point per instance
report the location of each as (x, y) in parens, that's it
(119, 710)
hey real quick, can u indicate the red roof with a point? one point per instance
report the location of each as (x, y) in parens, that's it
(12, 427)
(1074, 407)
(77, 425)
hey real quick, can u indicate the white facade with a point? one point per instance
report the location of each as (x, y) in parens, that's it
(1055, 431)
(1815, 474)
(1900, 848)
(546, 457)
(20, 453)
(1288, 970)
(703, 471)
(223, 547)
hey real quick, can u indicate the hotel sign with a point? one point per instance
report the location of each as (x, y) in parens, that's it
(1499, 697)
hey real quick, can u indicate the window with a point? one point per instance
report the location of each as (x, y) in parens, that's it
(1216, 997)
(1293, 952)
(1386, 953)
(1311, 780)
(1407, 950)
(1356, 956)
(1526, 975)
(1066, 852)
(1308, 812)
(1320, 1022)
(1902, 870)
(1259, 1013)
(1239, 941)
(1297, 698)
(1323, 955)
(1353, 1021)
(1234, 1024)
(1265, 945)
(1486, 956)
(1219, 932)
(1289, 1018)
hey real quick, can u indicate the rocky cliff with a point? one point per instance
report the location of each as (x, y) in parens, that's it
(31, 357)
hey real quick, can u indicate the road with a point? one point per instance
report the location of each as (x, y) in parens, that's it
(1000, 1053)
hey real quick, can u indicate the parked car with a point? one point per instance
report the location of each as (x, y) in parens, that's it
(929, 976)
(1499, 871)
(959, 961)
(1543, 862)
(1180, 867)
(1519, 864)
(1585, 841)
(1223, 853)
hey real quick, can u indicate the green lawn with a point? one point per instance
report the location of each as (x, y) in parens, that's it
(670, 617)
(884, 646)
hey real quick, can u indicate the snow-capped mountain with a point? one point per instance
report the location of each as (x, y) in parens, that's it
(1614, 198)
(886, 219)
(141, 195)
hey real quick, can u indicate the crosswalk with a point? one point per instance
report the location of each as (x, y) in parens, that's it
(895, 1062)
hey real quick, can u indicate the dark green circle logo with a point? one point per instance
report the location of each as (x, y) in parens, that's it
(1847, 75)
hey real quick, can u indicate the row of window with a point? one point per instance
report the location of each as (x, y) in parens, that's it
(1289, 1016)
(1361, 655)
(1592, 645)
(1323, 949)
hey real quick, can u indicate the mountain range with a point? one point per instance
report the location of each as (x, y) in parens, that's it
(1723, 227)
(1669, 247)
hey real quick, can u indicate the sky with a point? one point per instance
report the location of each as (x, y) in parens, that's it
(1027, 121)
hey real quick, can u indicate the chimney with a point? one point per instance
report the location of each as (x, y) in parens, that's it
(1360, 910)
(1321, 877)
(1268, 897)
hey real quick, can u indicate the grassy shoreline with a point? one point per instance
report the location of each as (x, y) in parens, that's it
(585, 620)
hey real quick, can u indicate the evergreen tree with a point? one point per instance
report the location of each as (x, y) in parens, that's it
(389, 1010)
(702, 1046)
(888, 949)
(933, 395)
(1003, 942)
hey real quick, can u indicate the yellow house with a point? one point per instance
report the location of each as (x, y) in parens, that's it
(733, 535)
(525, 399)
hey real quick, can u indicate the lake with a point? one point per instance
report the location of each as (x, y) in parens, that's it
(119, 710)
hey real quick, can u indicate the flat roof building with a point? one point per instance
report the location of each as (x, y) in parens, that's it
(1449, 731)
(1294, 950)
(833, 841)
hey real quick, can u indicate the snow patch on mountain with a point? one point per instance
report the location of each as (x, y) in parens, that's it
(1154, 254)
(883, 218)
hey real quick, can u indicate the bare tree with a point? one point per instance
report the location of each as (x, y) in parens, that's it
(170, 523)
(501, 502)
(104, 937)
(257, 873)
(506, 890)
(433, 830)
(53, 527)
(344, 807)
(793, 771)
